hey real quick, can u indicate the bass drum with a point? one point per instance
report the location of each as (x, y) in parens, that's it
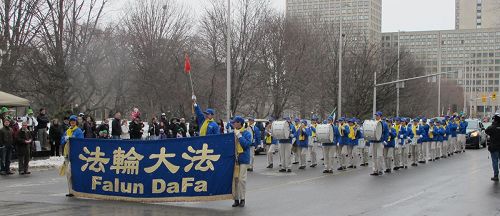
(372, 130)
(324, 133)
(280, 130)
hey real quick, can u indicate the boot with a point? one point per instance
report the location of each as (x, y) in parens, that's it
(495, 178)
(242, 203)
(236, 203)
(270, 166)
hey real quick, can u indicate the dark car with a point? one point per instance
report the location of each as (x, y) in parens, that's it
(476, 136)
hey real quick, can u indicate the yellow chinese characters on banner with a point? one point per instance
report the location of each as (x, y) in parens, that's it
(204, 159)
(126, 163)
(95, 161)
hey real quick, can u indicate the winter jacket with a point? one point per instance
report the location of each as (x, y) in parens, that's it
(401, 134)
(6, 137)
(305, 133)
(42, 120)
(116, 127)
(245, 142)
(78, 133)
(154, 129)
(462, 129)
(21, 138)
(453, 128)
(494, 132)
(89, 130)
(213, 127)
(391, 138)
(55, 133)
(135, 130)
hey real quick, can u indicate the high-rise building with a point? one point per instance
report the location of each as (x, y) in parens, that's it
(474, 54)
(361, 18)
(476, 14)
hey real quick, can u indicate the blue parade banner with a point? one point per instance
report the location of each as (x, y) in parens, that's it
(188, 169)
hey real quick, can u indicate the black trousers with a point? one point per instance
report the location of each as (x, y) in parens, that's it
(23, 155)
(55, 146)
(6, 154)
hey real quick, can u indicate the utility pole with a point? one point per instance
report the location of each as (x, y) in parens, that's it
(228, 62)
(339, 102)
(439, 76)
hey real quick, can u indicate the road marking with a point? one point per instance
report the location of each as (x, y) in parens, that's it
(403, 200)
(302, 181)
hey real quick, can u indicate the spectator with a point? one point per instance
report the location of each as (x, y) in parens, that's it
(3, 113)
(80, 121)
(23, 143)
(135, 128)
(162, 134)
(104, 126)
(55, 135)
(6, 146)
(494, 146)
(183, 127)
(221, 126)
(124, 128)
(89, 128)
(42, 134)
(65, 125)
(103, 134)
(116, 128)
(31, 120)
(154, 129)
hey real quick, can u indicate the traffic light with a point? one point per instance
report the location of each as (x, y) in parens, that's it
(484, 98)
(494, 96)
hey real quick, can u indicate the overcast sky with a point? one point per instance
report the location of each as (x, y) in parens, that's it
(404, 15)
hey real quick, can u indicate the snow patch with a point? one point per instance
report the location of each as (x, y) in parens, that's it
(51, 162)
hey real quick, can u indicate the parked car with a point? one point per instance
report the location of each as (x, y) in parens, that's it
(475, 134)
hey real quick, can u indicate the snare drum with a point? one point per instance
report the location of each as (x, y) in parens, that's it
(324, 133)
(372, 130)
(280, 130)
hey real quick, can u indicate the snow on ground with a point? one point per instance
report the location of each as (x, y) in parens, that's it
(51, 162)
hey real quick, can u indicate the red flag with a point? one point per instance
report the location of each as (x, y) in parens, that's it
(187, 64)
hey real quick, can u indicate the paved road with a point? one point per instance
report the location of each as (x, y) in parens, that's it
(456, 186)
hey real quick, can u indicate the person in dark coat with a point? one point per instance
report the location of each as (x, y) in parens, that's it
(55, 134)
(183, 127)
(89, 128)
(43, 121)
(6, 146)
(103, 127)
(154, 129)
(494, 146)
(116, 128)
(135, 128)
(23, 143)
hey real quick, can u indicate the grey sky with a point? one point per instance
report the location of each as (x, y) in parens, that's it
(404, 15)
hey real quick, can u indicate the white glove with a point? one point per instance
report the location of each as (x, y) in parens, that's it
(237, 132)
(291, 135)
(421, 136)
(385, 143)
(66, 138)
(193, 97)
(401, 136)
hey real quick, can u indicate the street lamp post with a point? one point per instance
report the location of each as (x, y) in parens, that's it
(398, 85)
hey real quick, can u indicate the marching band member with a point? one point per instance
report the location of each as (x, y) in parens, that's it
(243, 143)
(313, 144)
(295, 147)
(205, 120)
(271, 145)
(378, 145)
(424, 150)
(401, 151)
(439, 132)
(389, 145)
(352, 141)
(362, 143)
(302, 135)
(433, 133)
(285, 150)
(415, 134)
(256, 141)
(452, 146)
(329, 150)
(343, 141)
(336, 141)
(75, 132)
(446, 137)
(462, 131)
